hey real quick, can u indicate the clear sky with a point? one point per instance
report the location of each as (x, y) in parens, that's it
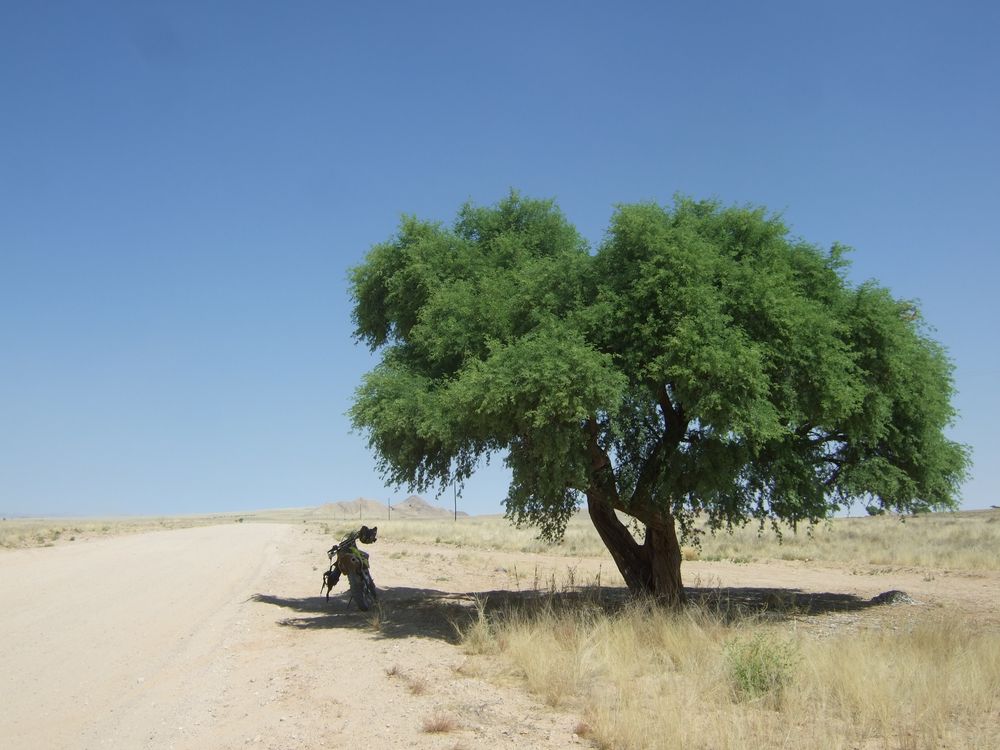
(184, 185)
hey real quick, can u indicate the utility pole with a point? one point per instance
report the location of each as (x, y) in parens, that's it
(389, 506)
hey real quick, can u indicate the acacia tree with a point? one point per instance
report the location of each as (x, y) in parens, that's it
(702, 363)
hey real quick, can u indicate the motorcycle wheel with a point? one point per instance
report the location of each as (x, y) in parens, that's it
(362, 594)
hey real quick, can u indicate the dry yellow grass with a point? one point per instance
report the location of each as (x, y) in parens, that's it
(44, 532)
(439, 723)
(960, 541)
(645, 678)
(481, 532)
(641, 677)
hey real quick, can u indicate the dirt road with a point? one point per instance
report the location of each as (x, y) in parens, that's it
(216, 638)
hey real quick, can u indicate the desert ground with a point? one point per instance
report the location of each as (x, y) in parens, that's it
(214, 634)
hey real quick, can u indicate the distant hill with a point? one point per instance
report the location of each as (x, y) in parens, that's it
(366, 509)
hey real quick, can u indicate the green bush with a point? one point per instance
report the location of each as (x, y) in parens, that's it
(762, 665)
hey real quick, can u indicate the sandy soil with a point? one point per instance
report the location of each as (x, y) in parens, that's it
(217, 637)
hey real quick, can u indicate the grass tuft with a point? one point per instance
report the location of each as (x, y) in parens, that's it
(761, 665)
(439, 723)
(644, 677)
(416, 684)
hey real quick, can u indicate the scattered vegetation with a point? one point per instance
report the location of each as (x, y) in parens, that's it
(760, 666)
(957, 541)
(439, 723)
(960, 541)
(37, 531)
(704, 676)
(45, 532)
(416, 684)
(645, 677)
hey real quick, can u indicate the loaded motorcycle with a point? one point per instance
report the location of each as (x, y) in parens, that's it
(346, 559)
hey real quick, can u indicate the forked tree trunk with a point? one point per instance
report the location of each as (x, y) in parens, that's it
(652, 568)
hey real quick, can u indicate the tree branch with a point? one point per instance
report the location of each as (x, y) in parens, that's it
(674, 429)
(671, 414)
(836, 437)
(598, 456)
(831, 480)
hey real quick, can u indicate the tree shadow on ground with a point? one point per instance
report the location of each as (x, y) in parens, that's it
(401, 612)
(749, 602)
(404, 612)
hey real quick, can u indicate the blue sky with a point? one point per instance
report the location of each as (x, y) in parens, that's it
(183, 187)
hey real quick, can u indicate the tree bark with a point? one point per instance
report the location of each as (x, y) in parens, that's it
(625, 551)
(664, 552)
(652, 568)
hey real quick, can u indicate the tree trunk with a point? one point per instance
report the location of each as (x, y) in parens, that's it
(664, 552)
(652, 568)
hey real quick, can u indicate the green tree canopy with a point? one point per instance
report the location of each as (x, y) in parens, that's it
(701, 363)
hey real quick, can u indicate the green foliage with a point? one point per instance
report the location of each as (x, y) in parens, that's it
(722, 367)
(760, 666)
